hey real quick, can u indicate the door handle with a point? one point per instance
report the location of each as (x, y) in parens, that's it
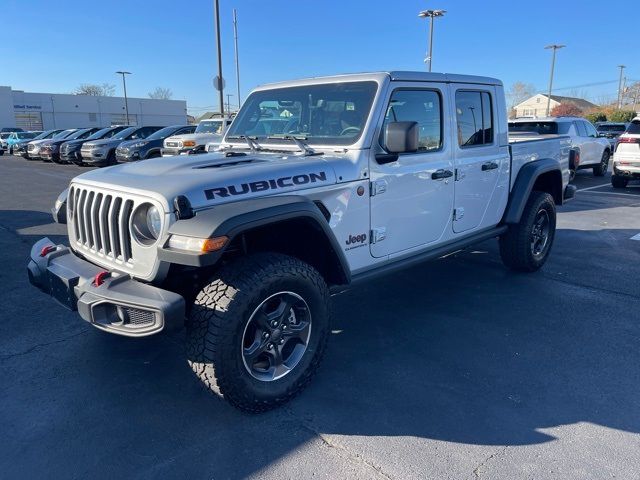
(489, 166)
(441, 173)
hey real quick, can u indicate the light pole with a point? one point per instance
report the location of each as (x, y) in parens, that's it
(553, 65)
(124, 86)
(431, 14)
(235, 41)
(621, 67)
(216, 12)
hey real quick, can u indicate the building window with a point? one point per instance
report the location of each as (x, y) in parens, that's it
(121, 119)
(29, 121)
(475, 118)
(538, 100)
(93, 117)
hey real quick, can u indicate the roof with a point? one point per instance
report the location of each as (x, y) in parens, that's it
(544, 119)
(380, 77)
(581, 103)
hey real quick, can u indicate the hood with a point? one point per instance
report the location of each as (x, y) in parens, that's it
(38, 142)
(103, 143)
(74, 143)
(198, 137)
(212, 179)
(129, 143)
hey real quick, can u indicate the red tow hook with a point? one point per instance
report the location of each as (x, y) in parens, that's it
(47, 250)
(100, 278)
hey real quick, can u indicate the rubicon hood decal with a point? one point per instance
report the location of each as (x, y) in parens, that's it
(264, 185)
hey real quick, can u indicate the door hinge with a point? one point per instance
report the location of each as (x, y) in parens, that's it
(458, 213)
(377, 187)
(378, 234)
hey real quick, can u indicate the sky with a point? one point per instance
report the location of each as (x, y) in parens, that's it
(54, 47)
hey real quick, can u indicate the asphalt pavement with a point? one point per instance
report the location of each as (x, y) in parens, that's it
(455, 369)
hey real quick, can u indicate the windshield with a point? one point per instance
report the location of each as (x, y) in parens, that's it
(25, 135)
(541, 128)
(634, 127)
(124, 133)
(329, 114)
(4, 135)
(163, 133)
(63, 134)
(612, 128)
(210, 126)
(77, 134)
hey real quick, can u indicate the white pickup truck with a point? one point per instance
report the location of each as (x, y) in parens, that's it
(374, 172)
(207, 131)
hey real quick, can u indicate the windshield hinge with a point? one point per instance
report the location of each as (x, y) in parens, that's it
(377, 187)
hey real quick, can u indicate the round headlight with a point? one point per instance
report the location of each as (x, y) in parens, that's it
(146, 224)
(154, 222)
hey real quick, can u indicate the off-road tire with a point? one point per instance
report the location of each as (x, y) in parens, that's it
(618, 181)
(217, 321)
(515, 245)
(601, 169)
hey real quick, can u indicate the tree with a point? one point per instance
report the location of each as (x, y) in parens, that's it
(161, 94)
(566, 110)
(104, 90)
(519, 92)
(622, 116)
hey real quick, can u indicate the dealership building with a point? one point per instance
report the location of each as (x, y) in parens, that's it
(45, 111)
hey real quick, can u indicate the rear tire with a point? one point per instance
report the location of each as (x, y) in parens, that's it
(618, 182)
(526, 245)
(601, 169)
(242, 347)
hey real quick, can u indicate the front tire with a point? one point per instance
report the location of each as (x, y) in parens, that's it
(601, 169)
(526, 245)
(257, 332)
(618, 182)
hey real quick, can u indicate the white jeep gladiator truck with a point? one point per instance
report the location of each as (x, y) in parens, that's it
(188, 143)
(374, 172)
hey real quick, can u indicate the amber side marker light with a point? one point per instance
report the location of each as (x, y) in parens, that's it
(201, 245)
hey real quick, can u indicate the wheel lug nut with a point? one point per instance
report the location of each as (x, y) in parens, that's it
(274, 323)
(266, 335)
(281, 341)
(284, 327)
(270, 346)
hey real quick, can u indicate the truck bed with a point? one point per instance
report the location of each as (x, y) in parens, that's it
(528, 148)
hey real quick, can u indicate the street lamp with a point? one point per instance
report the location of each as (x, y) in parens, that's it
(124, 86)
(553, 64)
(431, 14)
(621, 67)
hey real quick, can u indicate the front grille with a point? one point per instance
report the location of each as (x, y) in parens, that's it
(101, 222)
(137, 317)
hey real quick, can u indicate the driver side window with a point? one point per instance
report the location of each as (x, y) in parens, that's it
(422, 106)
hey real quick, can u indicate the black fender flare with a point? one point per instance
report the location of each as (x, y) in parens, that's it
(523, 187)
(233, 219)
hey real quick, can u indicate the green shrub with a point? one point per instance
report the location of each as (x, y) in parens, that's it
(594, 117)
(622, 116)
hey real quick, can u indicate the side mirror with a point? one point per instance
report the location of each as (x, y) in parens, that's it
(401, 137)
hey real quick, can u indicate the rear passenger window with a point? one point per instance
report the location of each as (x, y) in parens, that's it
(474, 115)
(422, 106)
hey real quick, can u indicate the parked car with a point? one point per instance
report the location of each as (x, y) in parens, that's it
(626, 160)
(17, 137)
(247, 244)
(591, 150)
(20, 148)
(103, 152)
(33, 147)
(50, 150)
(4, 136)
(151, 146)
(611, 131)
(207, 131)
(70, 150)
(10, 129)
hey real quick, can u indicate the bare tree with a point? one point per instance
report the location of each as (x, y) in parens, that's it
(104, 90)
(519, 92)
(161, 93)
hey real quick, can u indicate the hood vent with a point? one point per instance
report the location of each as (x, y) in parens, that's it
(227, 164)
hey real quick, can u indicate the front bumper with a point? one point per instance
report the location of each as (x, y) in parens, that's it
(123, 156)
(71, 157)
(120, 305)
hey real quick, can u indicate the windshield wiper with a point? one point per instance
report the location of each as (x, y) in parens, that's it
(304, 148)
(251, 142)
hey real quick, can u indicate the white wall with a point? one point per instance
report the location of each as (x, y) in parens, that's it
(535, 106)
(68, 111)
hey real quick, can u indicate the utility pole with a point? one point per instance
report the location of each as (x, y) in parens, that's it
(553, 65)
(124, 86)
(235, 42)
(431, 14)
(219, 48)
(621, 67)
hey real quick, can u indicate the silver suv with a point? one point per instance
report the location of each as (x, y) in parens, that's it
(592, 151)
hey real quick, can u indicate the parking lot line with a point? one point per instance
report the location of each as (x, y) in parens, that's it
(593, 188)
(614, 193)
